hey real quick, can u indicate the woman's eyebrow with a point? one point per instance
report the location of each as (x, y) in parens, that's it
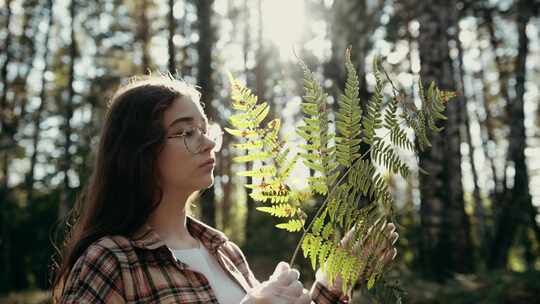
(181, 119)
(186, 119)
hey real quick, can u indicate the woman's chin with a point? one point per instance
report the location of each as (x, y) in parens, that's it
(208, 181)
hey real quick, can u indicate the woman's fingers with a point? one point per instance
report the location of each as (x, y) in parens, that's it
(287, 277)
(294, 290)
(280, 268)
(305, 298)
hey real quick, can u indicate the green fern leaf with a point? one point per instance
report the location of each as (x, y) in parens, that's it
(292, 225)
(281, 210)
(252, 157)
(264, 171)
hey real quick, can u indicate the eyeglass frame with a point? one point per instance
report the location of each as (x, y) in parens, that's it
(209, 126)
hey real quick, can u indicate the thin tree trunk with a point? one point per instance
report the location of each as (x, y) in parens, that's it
(5, 142)
(4, 70)
(504, 76)
(172, 30)
(206, 83)
(66, 163)
(518, 210)
(144, 36)
(445, 240)
(185, 66)
(37, 114)
(479, 211)
(489, 127)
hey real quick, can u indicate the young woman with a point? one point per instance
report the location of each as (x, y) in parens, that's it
(133, 241)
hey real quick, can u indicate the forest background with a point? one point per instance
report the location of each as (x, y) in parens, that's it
(469, 231)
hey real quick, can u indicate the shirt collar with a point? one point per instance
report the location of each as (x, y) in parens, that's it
(147, 238)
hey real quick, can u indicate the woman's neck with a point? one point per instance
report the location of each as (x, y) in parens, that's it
(169, 222)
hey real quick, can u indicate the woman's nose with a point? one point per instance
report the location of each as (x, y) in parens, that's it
(207, 143)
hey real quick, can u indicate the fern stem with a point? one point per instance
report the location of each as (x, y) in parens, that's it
(394, 89)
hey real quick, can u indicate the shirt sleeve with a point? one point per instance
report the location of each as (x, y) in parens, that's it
(320, 294)
(95, 278)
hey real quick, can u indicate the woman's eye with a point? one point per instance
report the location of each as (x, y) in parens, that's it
(188, 133)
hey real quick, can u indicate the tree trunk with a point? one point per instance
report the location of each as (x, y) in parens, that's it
(206, 83)
(445, 240)
(172, 30)
(4, 70)
(351, 24)
(6, 141)
(68, 114)
(504, 77)
(479, 210)
(518, 210)
(29, 181)
(144, 36)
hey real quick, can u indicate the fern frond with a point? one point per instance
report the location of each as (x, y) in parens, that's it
(355, 189)
(293, 225)
(318, 156)
(385, 155)
(397, 135)
(281, 210)
(372, 120)
(348, 117)
(264, 171)
(252, 157)
(242, 133)
(250, 145)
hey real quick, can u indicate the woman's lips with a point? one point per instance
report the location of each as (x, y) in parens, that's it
(208, 163)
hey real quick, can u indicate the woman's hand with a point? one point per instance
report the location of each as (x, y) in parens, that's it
(378, 243)
(283, 287)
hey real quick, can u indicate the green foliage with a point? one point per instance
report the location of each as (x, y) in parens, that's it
(348, 168)
(317, 155)
(272, 163)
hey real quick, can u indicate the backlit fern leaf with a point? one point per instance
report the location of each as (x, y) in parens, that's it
(372, 120)
(385, 155)
(398, 136)
(293, 225)
(280, 210)
(318, 156)
(354, 184)
(348, 118)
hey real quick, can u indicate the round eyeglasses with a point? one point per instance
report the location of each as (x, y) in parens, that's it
(194, 137)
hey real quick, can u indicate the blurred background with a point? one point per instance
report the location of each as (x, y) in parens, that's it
(469, 232)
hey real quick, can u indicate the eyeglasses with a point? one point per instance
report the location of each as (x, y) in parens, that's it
(194, 137)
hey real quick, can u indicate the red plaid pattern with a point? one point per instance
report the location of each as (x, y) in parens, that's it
(142, 269)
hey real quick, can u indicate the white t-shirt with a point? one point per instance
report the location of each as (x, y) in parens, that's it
(200, 260)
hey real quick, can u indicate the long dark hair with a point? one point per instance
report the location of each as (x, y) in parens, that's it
(124, 188)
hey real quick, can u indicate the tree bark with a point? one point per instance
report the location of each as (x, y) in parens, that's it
(205, 81)
(351, 24)
(517, 211)
(503, 78)
(144, 36)
(481, 235)
(68, 114)
(445, 240)
(29, 180)
(172, 31)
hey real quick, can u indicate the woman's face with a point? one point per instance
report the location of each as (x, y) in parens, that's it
(181, 169)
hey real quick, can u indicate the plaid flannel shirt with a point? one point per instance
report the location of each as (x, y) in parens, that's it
(142, 269)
